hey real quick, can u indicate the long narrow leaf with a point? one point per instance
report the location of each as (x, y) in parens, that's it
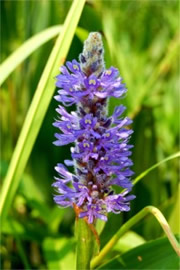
(155, 254)
(131, 222)
(26, 49)
(139, 177)
(38, 107)
(30, 46)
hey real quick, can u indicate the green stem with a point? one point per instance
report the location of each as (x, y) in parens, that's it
(125, 227)
(85, 244)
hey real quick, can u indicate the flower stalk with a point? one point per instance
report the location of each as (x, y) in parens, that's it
(85, 244)
(100, 152)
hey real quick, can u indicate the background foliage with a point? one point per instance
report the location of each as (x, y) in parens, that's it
(141, 39)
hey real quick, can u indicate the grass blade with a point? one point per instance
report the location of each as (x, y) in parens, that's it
(38, 107)
(29, 46)
(139, 177)
(26, 49)
(131, 222)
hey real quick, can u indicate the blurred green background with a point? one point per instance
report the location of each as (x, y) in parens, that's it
(141, 39)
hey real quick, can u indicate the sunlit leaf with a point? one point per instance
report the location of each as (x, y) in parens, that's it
(128, 241)
(157, 254)
(59, 253)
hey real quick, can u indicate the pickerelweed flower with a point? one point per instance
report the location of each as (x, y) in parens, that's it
(100, 154)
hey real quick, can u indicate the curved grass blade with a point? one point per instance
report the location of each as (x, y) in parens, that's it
(26, 49)
(131, 222)
(139, 177)
(31, 45)
(38, 107)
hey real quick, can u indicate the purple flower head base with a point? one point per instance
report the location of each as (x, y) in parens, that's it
(100, 154)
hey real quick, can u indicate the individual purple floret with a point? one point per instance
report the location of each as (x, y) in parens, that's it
(100, 151)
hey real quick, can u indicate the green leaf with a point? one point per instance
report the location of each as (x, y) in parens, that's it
(82, 34)
(38, 108)
(26, 49)
(31, 45)
(157, 254)
(25, 229)
(131, 222)
(55, 218)
(27, 183)
(40, 210)
(128, 241)
(20, 248)
(59, 253)
(174, 221)
(139, 177)
(111, 227)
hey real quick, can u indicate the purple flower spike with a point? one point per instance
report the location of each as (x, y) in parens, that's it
(100, 154)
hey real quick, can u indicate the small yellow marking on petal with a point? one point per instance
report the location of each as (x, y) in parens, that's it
(68, 126)
(92, 82)
(108, 72)
(70, 89)
(75, 67)
(106, 158)
(86, 144)
(107, 135)
(88, 121)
